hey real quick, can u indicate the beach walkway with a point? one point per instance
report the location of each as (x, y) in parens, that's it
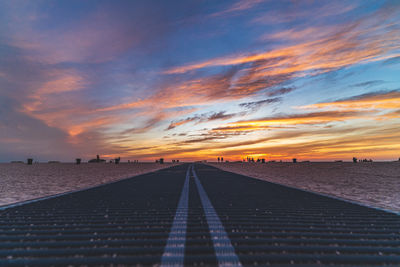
(194, 214)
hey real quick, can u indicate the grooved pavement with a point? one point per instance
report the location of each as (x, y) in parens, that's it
(129, 222)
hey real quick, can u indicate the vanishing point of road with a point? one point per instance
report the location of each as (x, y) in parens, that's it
(195, 214)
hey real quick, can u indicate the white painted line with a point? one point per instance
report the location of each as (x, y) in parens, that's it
(174, 252)
(223, 248)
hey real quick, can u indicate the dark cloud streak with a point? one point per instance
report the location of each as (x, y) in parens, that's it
(222, 115)
(258, 104)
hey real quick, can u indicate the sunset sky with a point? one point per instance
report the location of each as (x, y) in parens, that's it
(193, 80)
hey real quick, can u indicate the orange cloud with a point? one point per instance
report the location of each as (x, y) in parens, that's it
(78, 128)
(178, 123)
(47, 94)
(61, 84)
(345, 45)
(378, 142)
(389, 100)
(293, 120)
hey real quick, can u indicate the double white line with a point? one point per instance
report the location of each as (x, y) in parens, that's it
(174, 252)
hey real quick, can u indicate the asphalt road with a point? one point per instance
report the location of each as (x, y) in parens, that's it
(196, 215)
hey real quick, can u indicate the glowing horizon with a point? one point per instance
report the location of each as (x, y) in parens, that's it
(194, 80)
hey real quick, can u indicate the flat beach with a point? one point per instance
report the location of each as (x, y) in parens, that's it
(375, 184)
(20, 182)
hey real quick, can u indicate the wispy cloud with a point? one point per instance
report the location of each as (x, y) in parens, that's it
(305, 9)
(222, 115)
(257, 104)
(129, 78)
(323, 117)
(173, 125)
(375, 100)
(280, 91)
(238, 6)
(369, 83)
(362, 41)
(392, 61)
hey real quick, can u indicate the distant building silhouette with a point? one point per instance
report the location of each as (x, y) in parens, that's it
(366, 160)
(78, 161)
(97, 160)
(354, 159)
(29, 161)
(294, 160)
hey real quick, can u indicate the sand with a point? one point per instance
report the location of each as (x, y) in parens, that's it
(375, 184)
(20, 182)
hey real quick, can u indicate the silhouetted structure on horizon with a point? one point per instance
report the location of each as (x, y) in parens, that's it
(161, 161)
(29, 161)
(78, 161)
(117, 160)
(250, 159)
(97, 160)
(354, 159)
(294, 160)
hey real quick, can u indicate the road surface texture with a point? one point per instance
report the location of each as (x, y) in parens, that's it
(195, 214)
